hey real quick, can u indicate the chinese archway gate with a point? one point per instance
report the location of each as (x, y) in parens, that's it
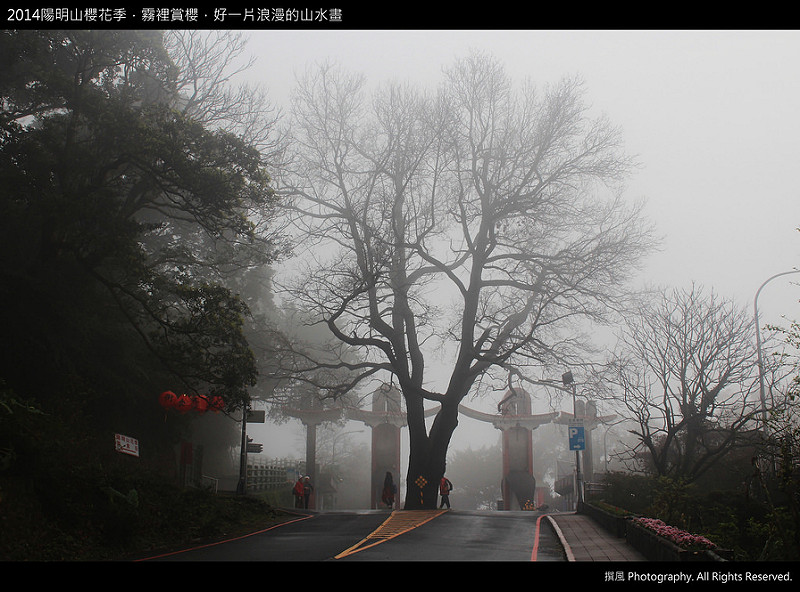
(312, 417)
(386, 418)
(515, 421)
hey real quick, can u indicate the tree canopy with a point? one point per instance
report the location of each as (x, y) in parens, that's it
(124, 217)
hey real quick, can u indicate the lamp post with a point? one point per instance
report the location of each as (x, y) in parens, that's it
(568, 380)
(758, 343)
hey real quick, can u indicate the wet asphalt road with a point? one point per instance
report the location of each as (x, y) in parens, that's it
(452, 536)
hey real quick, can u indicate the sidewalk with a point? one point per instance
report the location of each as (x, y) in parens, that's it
(585, 540)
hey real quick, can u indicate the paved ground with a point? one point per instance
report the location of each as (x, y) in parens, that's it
(460, 535)
(441, 535)
(585, 540)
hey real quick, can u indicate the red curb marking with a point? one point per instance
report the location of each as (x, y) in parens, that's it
(226, 540)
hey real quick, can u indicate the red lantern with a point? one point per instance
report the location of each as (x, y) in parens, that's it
(217, 404)
(167, 399)
(184, 403)
(201, 403)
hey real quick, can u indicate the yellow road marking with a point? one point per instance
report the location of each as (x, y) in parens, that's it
(399, 522)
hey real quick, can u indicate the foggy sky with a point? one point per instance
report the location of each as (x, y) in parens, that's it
(712, 117)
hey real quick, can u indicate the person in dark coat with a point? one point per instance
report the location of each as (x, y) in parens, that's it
(307, 489)
(389, 489)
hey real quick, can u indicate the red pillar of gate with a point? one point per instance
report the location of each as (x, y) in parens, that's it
(517, 440)
(385, 457)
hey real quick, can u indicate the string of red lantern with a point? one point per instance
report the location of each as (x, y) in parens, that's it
(185, 403)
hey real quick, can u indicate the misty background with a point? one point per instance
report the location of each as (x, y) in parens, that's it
(711, 116)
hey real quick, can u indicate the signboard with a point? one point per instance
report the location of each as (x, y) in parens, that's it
(126, 444)
(252, 447)
(258, 416)
(577, 437)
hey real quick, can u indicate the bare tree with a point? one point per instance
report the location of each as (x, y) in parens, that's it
(210, 87)
(210, 66)
(687, 374)
(474, 224)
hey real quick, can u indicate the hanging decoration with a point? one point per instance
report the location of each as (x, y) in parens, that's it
(185, 403)
(421, 483)
(200, 403)
(167, 399)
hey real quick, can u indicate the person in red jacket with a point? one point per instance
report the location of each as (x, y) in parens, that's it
(298, 493)
(444, 490)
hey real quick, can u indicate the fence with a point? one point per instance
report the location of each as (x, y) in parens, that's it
(267, 474)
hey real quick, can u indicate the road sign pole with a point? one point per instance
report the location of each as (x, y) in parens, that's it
(568, 379)
(242, 487)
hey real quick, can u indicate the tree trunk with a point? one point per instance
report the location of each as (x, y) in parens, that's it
(428, 455)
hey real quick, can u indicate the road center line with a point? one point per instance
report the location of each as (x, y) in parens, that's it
(398, 522)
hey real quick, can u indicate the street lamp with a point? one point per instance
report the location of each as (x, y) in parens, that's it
(758, 343)
(568, 380)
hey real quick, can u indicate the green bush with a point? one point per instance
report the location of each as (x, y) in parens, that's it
(732, 519)
(631, 492)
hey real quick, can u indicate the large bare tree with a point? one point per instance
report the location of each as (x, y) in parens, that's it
(473, 226)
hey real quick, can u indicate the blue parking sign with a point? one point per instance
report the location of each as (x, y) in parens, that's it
(577, 440)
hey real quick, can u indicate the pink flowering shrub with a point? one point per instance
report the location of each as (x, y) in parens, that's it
(681, 538)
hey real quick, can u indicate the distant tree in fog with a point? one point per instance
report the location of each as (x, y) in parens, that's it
(476, 476)
(473, 224)
(687, 374)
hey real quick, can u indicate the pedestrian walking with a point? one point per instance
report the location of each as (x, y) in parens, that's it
(445, 487)
(297, 491)
(389, 489)
(307, 489)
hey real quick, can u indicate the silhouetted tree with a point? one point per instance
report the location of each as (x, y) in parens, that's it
(482, 195)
